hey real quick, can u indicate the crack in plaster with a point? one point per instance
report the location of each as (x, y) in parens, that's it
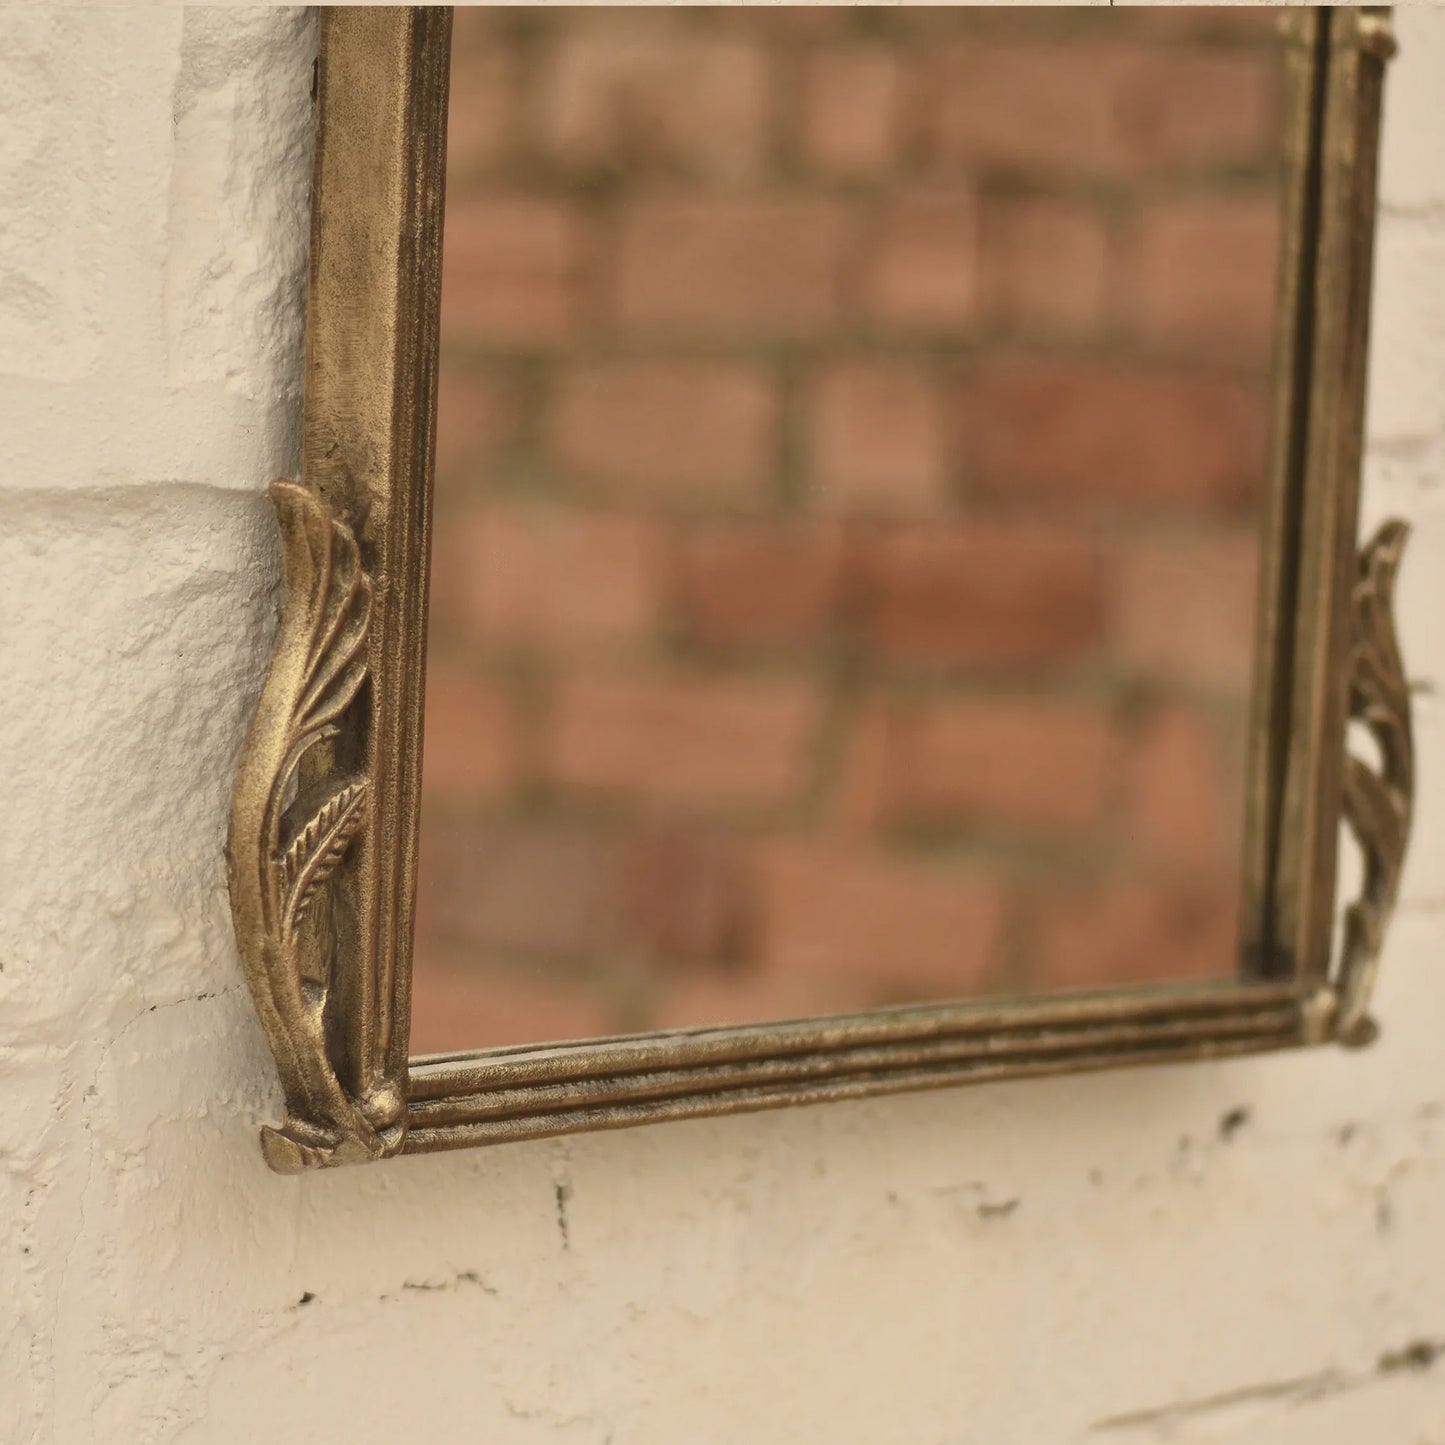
(1163, 1421)
(562, 1191)
(468, 1278)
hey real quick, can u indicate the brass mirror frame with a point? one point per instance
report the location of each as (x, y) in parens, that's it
(323, 838)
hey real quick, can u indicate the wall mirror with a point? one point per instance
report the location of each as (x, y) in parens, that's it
(885, 488)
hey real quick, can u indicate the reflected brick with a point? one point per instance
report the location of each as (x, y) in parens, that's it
(879, 439)
(1137, 931)
(555, 578)
(1095, 436)
(756, 585)
(923, 275)
(1045, 263)
(1017, 763)
(988, 596)
(1202, 273)
(471, 753)
(1101, 109)
(669, 430)
(1182, 805)
(725, 743)
(1184, 610)
(912, 928)
(851, 110)
(647, 95)
(685, 894)
(529, 889)
(759, 266)
(459, 1003)
(513, 271)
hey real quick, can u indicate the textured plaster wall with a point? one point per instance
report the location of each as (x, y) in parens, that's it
(1251, 1252)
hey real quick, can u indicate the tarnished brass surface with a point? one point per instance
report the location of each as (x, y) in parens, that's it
(1378, 803)
(334, 996)
(282, 851)
(1270, 693)
(322, 883)
(528, 1093)
(1336, 251)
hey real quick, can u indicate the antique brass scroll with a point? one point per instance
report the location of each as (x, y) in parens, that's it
(1378, 803)
(284, 846)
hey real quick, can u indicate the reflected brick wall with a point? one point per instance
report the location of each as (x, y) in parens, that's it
(852, 427)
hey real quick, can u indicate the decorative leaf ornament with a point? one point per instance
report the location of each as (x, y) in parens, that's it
(279, 873)
(1377, 803)
(317, 850)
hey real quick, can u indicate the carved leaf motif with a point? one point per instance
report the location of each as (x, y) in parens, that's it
(317, 671)
(1377, 804)
(332, 614)
(317, 850)
(1373, 811)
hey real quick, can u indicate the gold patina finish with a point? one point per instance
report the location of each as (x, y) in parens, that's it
(322, 846)
(334, 987)
(1378, 804)
(284, 849)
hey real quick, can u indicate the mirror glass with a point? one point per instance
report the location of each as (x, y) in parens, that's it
(851, 447)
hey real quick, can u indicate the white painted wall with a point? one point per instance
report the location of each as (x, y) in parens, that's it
(1083, 1260)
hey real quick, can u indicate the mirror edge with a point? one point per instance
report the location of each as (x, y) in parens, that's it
(323, 907)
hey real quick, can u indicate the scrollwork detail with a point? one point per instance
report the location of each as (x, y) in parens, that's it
(284, 850)
(1378, 802)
